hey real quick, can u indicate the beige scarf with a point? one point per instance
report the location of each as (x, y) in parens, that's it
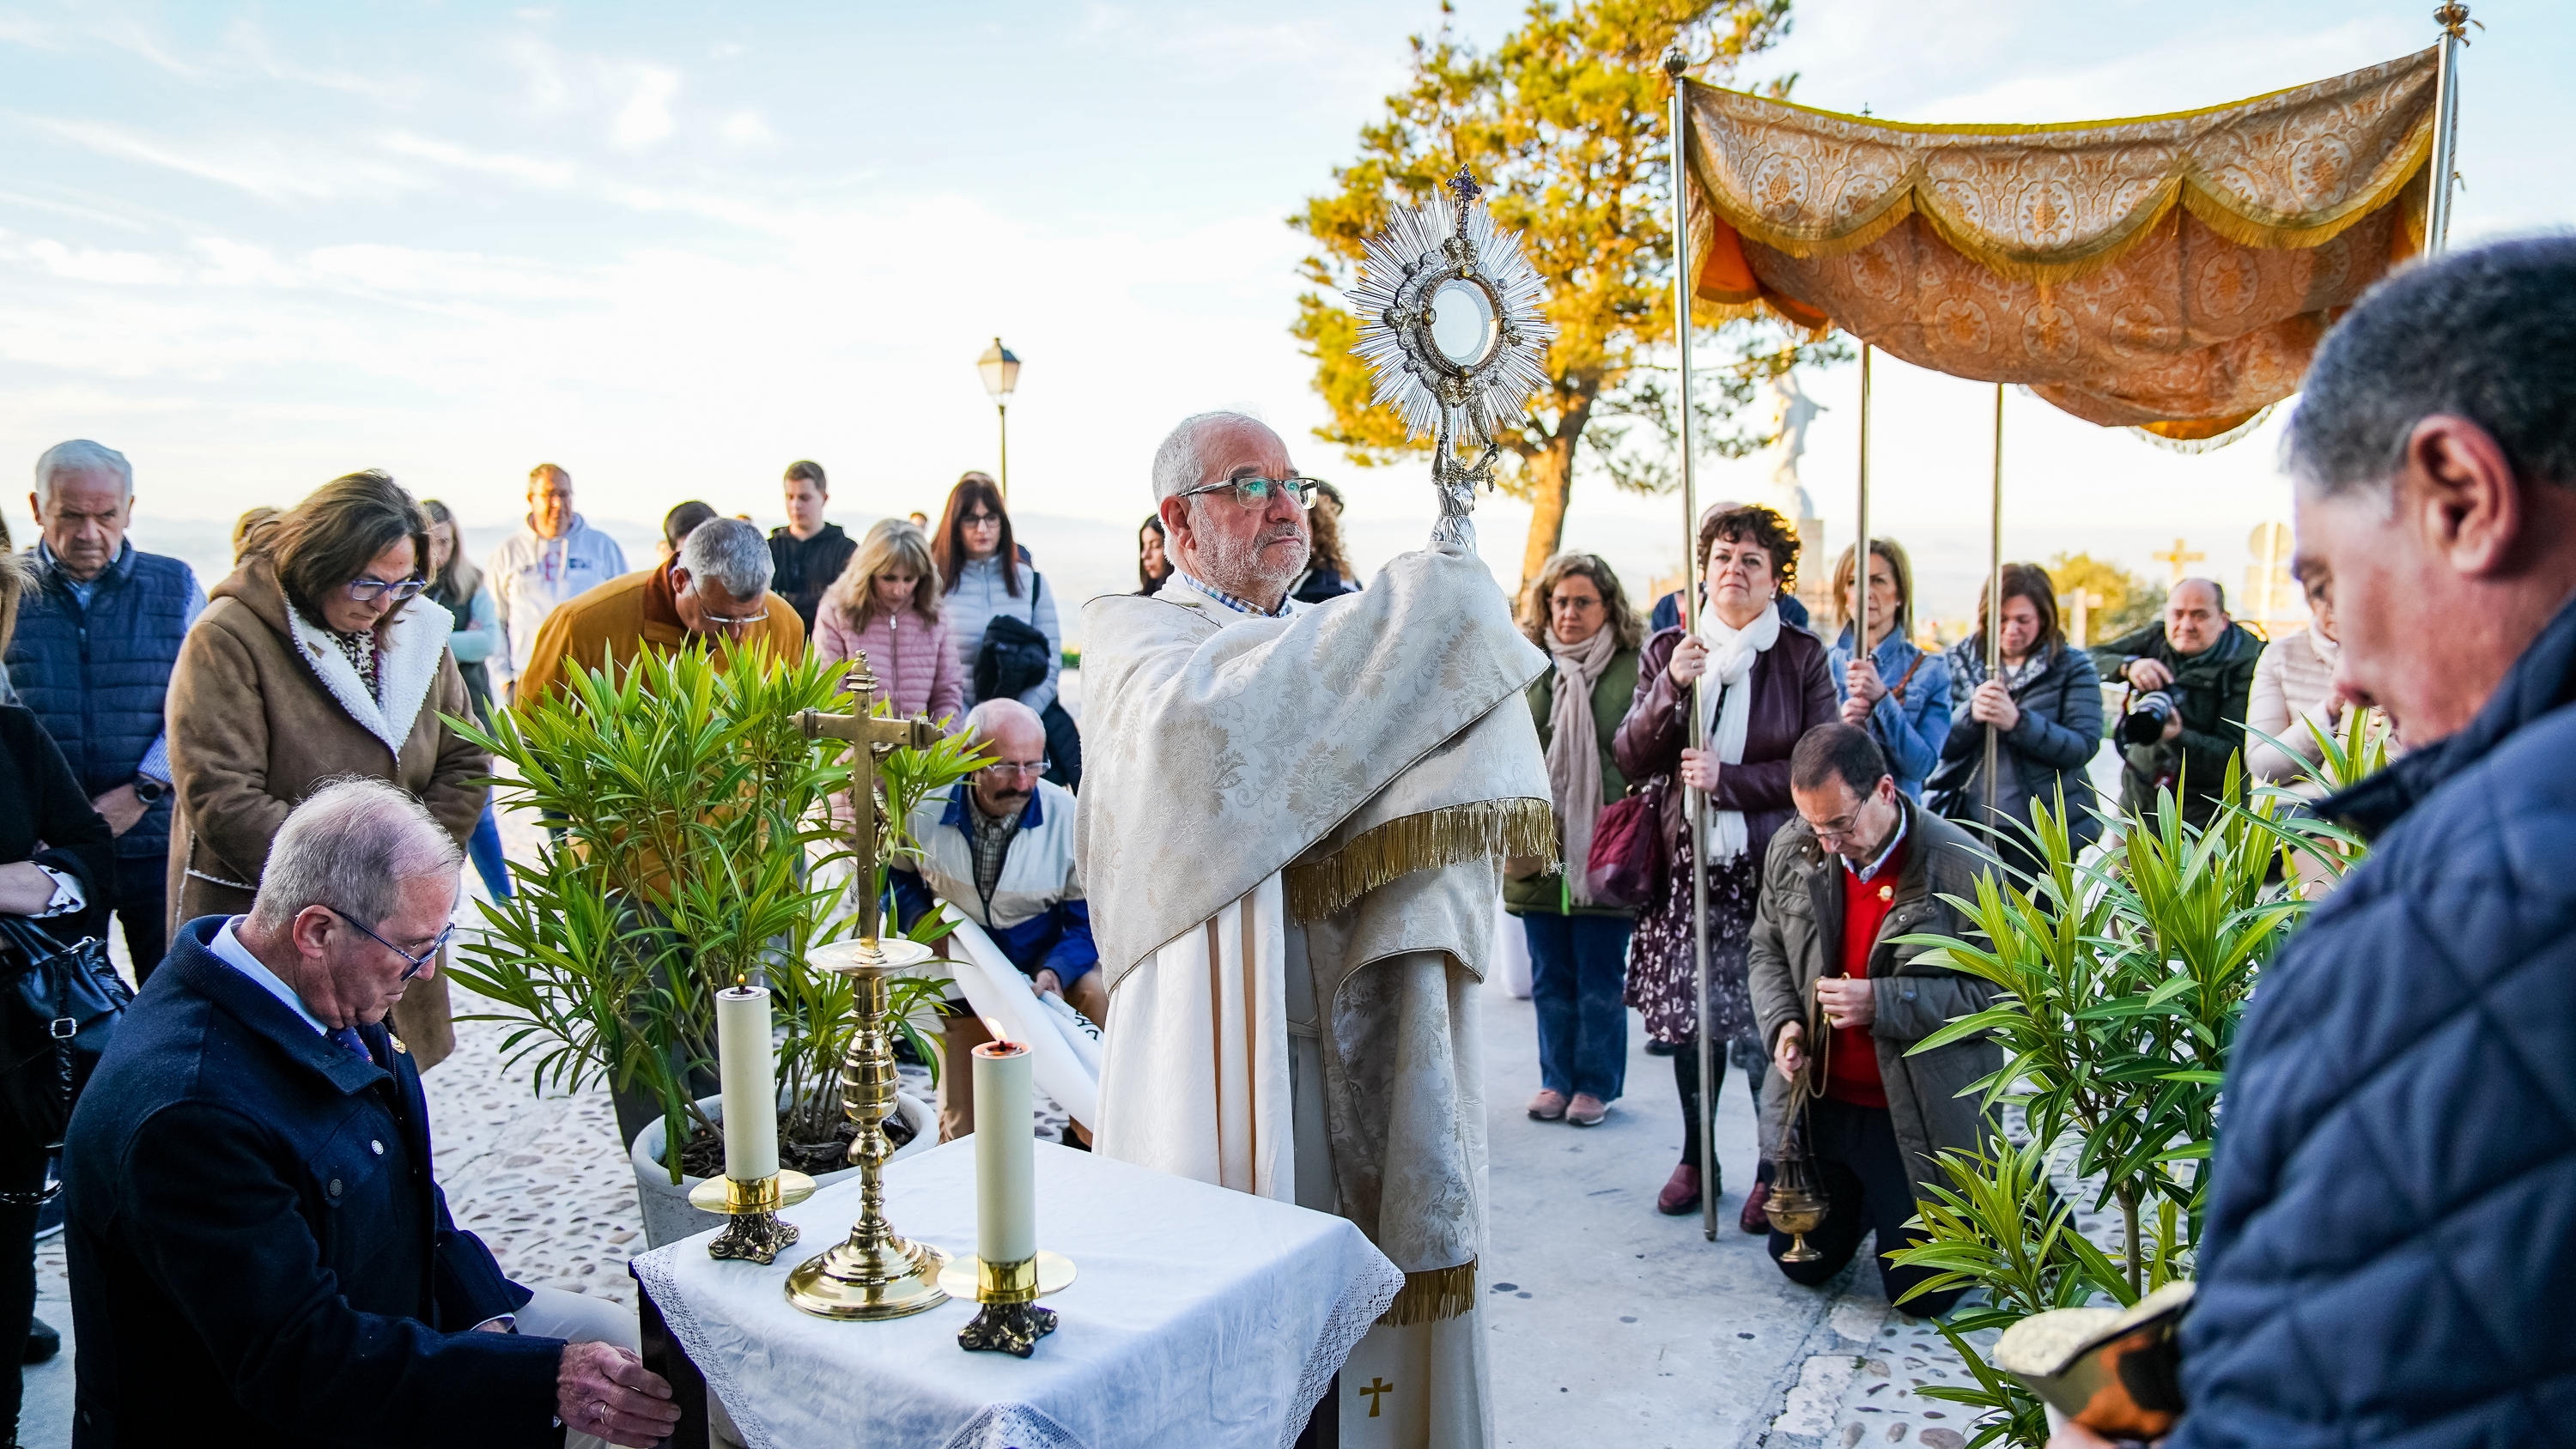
(1574, 748)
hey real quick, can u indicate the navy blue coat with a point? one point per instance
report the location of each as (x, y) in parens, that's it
(259, 1254)
(97, 676)
(2390, 1255)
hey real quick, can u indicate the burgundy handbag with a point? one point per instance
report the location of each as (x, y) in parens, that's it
(1627, 862)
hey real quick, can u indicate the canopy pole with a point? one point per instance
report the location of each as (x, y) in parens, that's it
(1995, 610)
(1674, 64)
(2453, 17)
(1860, 549)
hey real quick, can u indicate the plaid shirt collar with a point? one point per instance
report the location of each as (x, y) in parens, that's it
(1240, 606)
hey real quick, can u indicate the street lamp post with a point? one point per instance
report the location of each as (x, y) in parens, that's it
(1001, 373)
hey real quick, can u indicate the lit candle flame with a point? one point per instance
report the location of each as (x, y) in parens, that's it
(1000, 1037)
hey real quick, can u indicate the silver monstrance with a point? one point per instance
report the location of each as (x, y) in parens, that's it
(1450, 321)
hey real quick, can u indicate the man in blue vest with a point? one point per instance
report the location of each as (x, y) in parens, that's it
(96, 641)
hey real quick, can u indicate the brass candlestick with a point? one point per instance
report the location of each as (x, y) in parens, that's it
(1010, 1320)
(754, 1231)
(875, 1272)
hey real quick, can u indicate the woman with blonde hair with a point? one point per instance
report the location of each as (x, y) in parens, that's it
(317, 660)
(1900, 693)
(887, 604)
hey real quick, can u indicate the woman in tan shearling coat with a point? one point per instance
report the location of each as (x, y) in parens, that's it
(311, 663)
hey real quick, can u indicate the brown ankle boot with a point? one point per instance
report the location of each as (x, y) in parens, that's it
(1681, 1192)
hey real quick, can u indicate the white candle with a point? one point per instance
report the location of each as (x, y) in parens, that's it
(748, 1062)
(1006, 1157)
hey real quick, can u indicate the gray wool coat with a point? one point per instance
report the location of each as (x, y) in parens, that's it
(1797, 939)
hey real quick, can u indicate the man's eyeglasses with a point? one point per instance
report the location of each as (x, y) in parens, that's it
(1847, 828)
(418, 963)
(1257, 492)
(1018, 769)
(366, 590)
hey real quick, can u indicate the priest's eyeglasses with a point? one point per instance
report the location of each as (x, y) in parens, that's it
(1257, 492)
(365, 591)
(418, 963)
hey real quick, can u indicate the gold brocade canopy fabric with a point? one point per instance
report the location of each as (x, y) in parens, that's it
(2169, 272)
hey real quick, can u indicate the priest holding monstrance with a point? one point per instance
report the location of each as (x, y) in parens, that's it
(1292, 834)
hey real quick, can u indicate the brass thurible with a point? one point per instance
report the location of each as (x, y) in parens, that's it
(875, 1273)
(753, 1231)
(1798, 1203)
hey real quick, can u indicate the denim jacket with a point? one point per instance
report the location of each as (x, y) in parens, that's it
(1910, 729)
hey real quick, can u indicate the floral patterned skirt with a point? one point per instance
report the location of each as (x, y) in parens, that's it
(1661, 980)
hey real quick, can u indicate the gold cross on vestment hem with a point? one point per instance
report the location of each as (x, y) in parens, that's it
(1377, 1389)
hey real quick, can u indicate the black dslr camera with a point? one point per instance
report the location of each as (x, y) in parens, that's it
(2143, 722)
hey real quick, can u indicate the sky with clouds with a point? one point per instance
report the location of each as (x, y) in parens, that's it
(674, 246)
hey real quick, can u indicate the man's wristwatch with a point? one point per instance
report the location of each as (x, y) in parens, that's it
(149, 790)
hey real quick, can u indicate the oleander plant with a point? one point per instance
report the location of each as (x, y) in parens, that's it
(692, 844)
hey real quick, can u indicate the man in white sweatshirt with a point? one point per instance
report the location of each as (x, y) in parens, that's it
(557, 557)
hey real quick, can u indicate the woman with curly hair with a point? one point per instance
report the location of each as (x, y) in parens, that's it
(1767, 684)
(1329, 574)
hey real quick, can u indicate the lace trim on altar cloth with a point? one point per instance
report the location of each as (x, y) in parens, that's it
(1012, 1426)
(1368, 1296)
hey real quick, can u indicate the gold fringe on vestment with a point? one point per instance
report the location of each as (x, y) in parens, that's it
(1432, 1295)
(1452, 835)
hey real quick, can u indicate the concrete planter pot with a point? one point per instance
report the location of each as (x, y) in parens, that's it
(667, 1214)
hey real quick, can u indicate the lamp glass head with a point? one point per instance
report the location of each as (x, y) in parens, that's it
(1001, 371)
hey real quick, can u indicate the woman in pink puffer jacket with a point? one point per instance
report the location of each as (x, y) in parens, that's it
(886, 604)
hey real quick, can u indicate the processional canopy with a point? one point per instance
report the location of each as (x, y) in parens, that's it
(2173, 273)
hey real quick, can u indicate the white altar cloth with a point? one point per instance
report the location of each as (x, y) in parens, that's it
(1199, 1318)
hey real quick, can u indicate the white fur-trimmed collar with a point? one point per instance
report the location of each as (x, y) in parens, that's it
(406, 668)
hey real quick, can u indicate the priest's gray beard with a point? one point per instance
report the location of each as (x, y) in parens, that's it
(1251, 568)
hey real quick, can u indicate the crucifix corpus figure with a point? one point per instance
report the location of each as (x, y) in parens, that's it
(1292, 837)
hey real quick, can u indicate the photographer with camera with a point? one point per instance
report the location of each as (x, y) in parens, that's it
(2190, 676)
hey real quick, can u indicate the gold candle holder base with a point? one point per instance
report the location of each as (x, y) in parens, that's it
(875, 1273)
(1009, 1320)
(755, 1232)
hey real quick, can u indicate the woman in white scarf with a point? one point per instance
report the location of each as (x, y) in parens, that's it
(1762, 685)
(1578, 946)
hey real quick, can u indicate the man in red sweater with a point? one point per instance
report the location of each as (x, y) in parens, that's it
(1859, 868)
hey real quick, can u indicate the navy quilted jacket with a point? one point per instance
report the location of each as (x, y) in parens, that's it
(2391, 1247)
(97, 676)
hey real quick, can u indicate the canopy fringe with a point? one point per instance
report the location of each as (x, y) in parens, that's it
(1432, 1295)
(1452, 835)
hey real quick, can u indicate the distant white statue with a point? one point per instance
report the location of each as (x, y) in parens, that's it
(1792, 411)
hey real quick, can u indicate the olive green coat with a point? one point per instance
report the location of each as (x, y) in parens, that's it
(1797, 939)
(1611, 693)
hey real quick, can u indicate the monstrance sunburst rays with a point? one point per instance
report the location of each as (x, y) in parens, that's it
(1452, 326)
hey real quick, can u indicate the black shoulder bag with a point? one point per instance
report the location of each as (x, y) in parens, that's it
(1012, 661)
(58, 1011)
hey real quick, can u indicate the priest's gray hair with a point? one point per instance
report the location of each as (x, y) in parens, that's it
(1176, 464)
(352, 846)
(2487, 334)
(76, 455)
(731, 554)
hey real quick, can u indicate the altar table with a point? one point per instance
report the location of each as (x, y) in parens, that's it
(1199, 1318)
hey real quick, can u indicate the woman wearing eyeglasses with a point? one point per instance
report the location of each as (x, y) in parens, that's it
(313, 662)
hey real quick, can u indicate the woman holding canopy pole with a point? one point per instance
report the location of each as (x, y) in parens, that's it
(1763, 684)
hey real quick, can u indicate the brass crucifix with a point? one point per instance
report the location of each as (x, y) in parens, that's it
(875, 738)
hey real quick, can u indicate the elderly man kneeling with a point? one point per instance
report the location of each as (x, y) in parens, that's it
(259, 1253)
